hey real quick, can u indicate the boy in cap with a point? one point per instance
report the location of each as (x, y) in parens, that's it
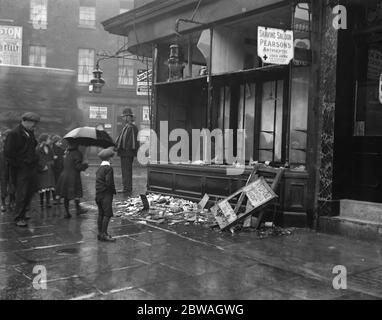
(105, 190)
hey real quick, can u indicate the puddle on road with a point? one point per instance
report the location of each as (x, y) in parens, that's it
(67, 251)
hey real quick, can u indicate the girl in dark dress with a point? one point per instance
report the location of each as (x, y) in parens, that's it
(69, 184)
(45, 178)
(6, 182)
(58, 166)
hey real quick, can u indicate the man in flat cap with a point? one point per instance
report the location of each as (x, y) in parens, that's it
(127, 147)
(19, 149)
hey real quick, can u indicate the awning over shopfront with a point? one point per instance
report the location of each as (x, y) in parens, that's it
(157, 20)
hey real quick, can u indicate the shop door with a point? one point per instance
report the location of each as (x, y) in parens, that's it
(366, 144)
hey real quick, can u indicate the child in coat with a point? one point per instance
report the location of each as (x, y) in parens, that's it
(58, 166)
(6, 189)
(69, 185)
(105, 190)
(45, 177)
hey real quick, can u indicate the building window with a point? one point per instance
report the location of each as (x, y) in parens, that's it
(37, 56)
(87, 17)
(85, 64)
(39, 13)
(259, 109)
(125, 72)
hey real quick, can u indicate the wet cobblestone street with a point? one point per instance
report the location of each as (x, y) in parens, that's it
(175, 262)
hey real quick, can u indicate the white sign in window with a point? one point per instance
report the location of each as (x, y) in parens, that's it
(97, 112)
(146, 114)
(275, 46)
(11, 42)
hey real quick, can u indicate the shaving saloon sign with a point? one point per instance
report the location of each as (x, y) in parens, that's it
(275, 46)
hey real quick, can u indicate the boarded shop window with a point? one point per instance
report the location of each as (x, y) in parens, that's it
(258, 108)
(85, 64)
(39, 13)
(270, 139)
(87, 17)
(299, 115)
(37, 56)
(125, 72)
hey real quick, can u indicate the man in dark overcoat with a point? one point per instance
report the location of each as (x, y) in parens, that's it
(19, 150)
(127, 147)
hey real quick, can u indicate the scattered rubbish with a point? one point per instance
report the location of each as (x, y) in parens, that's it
(161, 209)
(165, 209)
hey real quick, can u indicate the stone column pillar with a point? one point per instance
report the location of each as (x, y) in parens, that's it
(326, 109)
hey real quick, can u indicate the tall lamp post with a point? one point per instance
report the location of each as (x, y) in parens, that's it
(97, 82)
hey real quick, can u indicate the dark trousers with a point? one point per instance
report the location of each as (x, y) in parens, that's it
(25, 179)
(127, 173)
(105, 205)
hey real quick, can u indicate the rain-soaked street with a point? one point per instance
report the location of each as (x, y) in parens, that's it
(151, 261)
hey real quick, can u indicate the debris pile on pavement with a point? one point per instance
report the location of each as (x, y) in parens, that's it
(164, 209)
(169, 210)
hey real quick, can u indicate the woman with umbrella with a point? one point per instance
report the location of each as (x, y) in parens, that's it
(69, 184)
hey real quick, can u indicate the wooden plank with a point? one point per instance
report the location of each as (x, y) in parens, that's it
(271, 182)
(242, 196)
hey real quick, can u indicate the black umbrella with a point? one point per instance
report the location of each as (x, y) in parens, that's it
(89, 136)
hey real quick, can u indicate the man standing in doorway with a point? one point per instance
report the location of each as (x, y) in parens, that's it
(127, 147)
(19, 150)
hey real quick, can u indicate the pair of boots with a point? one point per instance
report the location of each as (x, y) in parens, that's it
(47, 197)
(79, 209)
(103, 223)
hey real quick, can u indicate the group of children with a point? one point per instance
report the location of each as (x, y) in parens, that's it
(51, 154)
(59, 177)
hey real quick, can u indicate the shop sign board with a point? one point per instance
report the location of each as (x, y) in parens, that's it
(97, 112)
(275, 46)
(144, 80)
(224, 214)
(146, 113)
(11, 42)
(259, 193)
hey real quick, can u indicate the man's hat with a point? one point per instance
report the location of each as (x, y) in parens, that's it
(106, 154)
(127, 112)
(30, 116)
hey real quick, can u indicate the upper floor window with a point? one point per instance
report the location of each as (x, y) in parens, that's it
(39, 13)
(87, 17)
(37, 56)
(125, 72)
(85, 65)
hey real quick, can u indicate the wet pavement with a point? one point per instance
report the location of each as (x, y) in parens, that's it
(150, 262)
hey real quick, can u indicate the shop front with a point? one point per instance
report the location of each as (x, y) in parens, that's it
(358, 131)
(208, 75)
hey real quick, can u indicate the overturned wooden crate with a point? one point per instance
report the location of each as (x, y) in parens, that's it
(260, 191)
